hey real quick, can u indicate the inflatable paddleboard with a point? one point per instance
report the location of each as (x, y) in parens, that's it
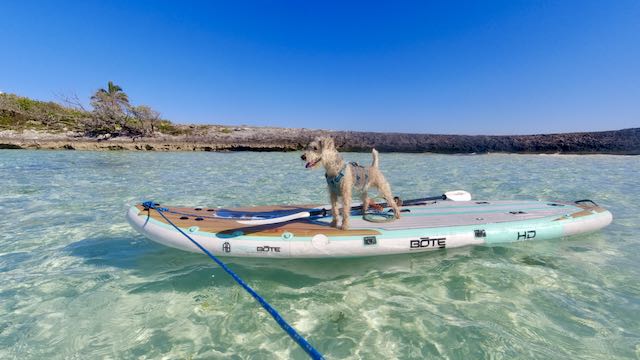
(433, 225)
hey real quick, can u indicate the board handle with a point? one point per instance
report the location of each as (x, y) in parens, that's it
(585, 201)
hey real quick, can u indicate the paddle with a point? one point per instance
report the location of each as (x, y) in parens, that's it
(457, 195)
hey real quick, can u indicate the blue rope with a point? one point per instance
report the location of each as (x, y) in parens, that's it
(304, 344)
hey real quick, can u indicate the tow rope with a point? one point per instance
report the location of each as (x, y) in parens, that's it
(304, 344)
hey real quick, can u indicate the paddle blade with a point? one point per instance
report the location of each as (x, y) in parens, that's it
(458, 195)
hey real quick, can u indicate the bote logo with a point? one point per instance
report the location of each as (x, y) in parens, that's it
(226, 247)
(268, 249)
(426, 242)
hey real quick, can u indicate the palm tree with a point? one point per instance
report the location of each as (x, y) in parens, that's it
(113, 96)
(110, 108)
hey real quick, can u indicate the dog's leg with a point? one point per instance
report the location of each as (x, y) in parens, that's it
(346, 208)
(385, 189)
(365, 202)
(334, 209)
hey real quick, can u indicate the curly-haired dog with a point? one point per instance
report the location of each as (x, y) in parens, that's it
(342, 177)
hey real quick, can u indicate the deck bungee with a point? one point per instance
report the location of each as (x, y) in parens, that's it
(302, 231)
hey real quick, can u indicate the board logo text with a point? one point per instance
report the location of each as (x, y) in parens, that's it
(526, 235)
(426, 242)
(268, 249)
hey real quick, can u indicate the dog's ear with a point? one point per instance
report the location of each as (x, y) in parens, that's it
(327, 143)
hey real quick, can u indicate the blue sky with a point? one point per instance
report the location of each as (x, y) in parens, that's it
(454, 67)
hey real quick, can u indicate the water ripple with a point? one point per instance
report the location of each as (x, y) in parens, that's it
(77, 282)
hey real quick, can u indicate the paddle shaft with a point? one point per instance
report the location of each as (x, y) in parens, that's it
(404, 203)
(459, 195)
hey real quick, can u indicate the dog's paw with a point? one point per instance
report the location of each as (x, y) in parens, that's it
(334, 223)
(397, 214)
(344, 227)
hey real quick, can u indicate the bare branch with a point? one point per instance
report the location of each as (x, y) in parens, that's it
(72, 101)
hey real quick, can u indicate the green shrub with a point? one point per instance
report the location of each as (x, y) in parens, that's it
(26, 104)
(21, 113)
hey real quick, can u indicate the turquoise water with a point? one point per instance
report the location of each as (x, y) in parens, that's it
(77, 282)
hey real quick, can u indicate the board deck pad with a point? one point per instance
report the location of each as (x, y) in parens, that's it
(430, 215)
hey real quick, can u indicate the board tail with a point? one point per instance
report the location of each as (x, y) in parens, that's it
(374, 152)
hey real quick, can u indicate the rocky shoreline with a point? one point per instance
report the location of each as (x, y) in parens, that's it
(228, 138)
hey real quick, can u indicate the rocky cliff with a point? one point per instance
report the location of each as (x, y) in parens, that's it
(229, 138)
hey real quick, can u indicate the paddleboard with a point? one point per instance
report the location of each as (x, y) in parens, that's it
(433, 225)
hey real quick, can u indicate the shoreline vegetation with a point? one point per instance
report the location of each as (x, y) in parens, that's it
(113, 123)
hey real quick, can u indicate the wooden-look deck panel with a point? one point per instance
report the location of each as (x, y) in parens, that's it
(225, 227)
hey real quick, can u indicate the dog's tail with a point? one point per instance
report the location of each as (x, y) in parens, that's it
(374, 152)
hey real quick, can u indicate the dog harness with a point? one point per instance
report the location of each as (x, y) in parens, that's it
(360, 174)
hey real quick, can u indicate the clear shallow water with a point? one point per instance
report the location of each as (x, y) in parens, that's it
(77, 282)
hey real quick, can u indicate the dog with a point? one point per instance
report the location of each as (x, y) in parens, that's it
(343, 177)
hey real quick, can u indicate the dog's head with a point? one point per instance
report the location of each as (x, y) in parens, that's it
(318, 151)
